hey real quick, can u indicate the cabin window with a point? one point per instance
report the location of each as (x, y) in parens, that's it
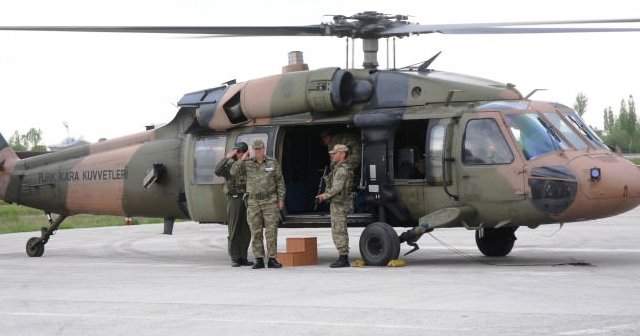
(435, 145)
(249, 138)
(484, 144)
(208, 152)
(409, 154)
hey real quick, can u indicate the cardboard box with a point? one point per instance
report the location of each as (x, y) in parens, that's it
(300, 251)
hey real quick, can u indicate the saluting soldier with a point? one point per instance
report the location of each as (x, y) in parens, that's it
(235, 187)
(266, 192)
(338, 193)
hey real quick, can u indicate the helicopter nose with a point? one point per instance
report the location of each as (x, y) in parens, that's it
(608, 185)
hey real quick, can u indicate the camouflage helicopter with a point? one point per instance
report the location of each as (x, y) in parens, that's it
(439, 149)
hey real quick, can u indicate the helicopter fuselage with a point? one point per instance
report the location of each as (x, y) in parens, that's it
(438, 150)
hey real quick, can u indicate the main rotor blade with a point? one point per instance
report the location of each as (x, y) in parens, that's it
(519, 27)
(314, 30)
(507, 30)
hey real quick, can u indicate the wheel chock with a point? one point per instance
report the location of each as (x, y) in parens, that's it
(396, 263)
(359, 263)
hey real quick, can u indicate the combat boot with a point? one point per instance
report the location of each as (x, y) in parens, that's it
(273, 263)
(245, 262)
(259, 263)
(235, 263)
(343, 261)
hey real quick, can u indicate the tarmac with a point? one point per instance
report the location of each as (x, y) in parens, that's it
(581, 279)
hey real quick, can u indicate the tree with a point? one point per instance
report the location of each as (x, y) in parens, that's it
(609, 120)
(581, 103)
(28, 141)
(622, 129)
(16, 142)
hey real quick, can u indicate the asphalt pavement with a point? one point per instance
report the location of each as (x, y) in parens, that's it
(581, 279)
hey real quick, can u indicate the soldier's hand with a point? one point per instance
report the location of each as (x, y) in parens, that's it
(232, 153)
(245, 155)
(280, 205)
(320, 198)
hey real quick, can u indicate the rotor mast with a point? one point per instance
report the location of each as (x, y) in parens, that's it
(368, 26)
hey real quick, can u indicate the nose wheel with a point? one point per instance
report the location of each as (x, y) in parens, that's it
(35, 245)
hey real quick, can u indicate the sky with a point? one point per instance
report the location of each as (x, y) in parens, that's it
(110, 85)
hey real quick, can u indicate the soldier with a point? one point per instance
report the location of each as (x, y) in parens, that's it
(351, 140)
(234, 187)
(338, 192)
(266, 192)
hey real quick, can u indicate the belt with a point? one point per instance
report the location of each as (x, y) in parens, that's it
(260, 197)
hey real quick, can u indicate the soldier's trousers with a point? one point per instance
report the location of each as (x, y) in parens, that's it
(339, 232)
(239, 233)
(263, 217)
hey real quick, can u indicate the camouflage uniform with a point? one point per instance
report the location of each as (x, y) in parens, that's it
(265, 187)
(338, 192)
(352, 141)
(239, 234)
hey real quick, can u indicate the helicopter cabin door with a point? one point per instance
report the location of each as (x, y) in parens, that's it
(204, 190)
(489, 170)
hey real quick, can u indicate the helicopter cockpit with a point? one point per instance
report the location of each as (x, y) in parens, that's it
(541, 132)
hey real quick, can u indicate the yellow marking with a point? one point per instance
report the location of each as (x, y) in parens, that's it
(396, 263)
(359, 263)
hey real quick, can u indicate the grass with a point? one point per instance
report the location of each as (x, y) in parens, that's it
(17, 218)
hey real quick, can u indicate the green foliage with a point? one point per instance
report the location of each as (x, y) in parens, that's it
(16, 142)
(622, 130)
(29, 141)
(581, 103)
(16, 218)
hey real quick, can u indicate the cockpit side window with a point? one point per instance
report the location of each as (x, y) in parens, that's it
(484, 144)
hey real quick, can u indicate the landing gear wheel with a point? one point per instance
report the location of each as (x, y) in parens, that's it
(379, 244)
(495, 242)
(35, 247)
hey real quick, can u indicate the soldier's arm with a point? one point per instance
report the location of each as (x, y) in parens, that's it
(237, 168)
(337, 183)
(280, 187)
(222, 168)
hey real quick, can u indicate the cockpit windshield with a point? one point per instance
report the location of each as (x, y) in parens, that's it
(588, 133)
(534, 135)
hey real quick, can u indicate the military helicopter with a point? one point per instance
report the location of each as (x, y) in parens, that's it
(439, 149)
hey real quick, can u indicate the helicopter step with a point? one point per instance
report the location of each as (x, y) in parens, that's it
(35, 245)
(323, 219)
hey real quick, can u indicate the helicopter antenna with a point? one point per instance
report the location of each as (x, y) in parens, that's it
(424, 67)
(532, 92)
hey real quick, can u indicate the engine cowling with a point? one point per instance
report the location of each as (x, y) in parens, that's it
(322, 90)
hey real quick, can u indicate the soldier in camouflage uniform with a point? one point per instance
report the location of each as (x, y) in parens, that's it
(234, 187)
(266, 192)
(338, 192)
(351, 140)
